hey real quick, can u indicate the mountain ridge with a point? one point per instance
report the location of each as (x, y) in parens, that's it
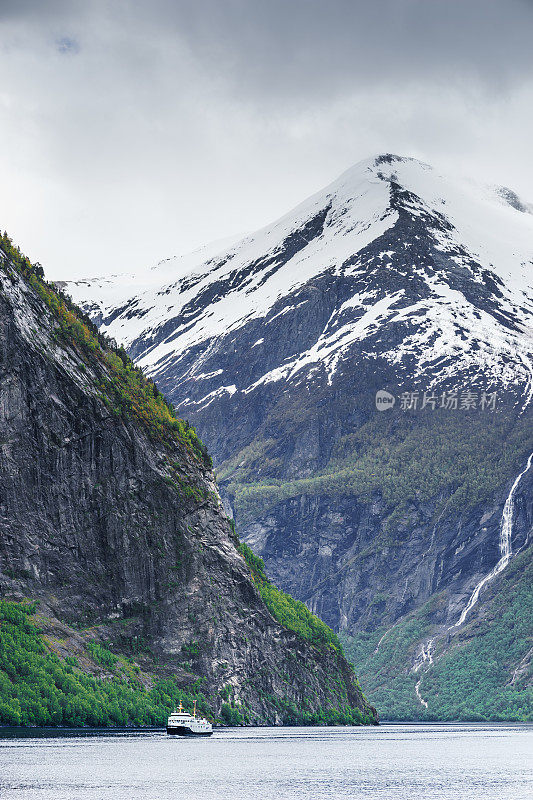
(393, 279)
(234, 301)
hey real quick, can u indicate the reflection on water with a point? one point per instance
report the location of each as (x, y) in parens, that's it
(392, 762)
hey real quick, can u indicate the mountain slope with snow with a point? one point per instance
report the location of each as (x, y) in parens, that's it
(392, 278)
(453, 267)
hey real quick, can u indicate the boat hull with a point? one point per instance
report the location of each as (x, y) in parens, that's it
(182, 730)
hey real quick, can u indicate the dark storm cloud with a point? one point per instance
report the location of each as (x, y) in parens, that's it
(130, 130)
(310, 46)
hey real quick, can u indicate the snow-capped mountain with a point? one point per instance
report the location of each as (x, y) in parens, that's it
(431, 274)
(388, 525)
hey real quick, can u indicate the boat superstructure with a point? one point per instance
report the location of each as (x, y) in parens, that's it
(181, 723)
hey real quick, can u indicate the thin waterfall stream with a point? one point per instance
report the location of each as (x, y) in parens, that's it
(506, 547)
(506, 552)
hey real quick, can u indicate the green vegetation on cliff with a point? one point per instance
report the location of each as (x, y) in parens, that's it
(291, 613)
(471, 680)
(39, 688)
(403, 456)
(123, 387)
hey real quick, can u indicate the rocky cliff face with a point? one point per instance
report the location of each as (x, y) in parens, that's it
(356, 572)
(121, 532)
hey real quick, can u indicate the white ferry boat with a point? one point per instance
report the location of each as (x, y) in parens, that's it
(180, 723)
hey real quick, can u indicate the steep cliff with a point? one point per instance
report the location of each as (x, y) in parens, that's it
(111, 520)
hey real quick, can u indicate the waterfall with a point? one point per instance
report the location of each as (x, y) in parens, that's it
(425, 656)
(506, 547)
(506, 524)
(506, 551)
(417, 690)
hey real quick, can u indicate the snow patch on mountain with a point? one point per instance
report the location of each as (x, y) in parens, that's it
(331, 346)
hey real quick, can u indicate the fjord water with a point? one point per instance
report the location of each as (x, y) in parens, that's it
(392, 762)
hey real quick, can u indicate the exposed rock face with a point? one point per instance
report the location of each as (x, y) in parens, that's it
(109, 528)
(331, 553)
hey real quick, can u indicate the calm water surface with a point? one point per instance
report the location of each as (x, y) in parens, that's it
(392, 762)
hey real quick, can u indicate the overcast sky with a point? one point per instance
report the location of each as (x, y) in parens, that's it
(132, 131)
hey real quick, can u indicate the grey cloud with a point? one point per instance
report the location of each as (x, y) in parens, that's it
(311, 46)
(181, 122)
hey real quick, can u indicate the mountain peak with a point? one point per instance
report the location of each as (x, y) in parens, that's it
(389, 158)
(382, 165)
